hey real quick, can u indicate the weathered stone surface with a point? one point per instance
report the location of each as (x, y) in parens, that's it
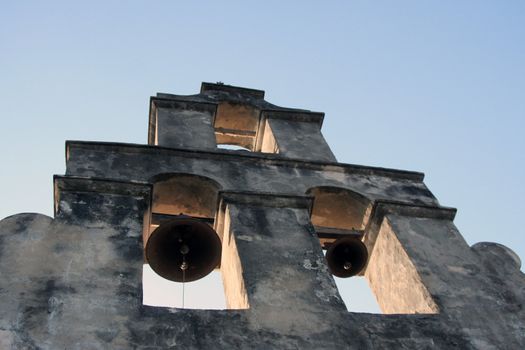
(74, 281)
(187, 125)
(81, 292)
(293, 135)
(242, 171)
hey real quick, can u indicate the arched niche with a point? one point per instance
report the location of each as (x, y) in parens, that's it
(338, 212)
(191, 195)
(339, 208)
(236, 124)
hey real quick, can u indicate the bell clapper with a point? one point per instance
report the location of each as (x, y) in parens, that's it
(184, 250)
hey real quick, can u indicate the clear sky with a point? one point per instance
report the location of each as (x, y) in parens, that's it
(431, 86)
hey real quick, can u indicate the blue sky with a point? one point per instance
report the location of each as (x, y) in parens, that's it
(432, 86)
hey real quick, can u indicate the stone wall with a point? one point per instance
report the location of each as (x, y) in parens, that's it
(74, 281)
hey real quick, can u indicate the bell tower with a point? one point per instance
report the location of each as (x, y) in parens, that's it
(231, 182)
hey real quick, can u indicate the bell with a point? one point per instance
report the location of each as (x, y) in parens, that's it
(346, 257)
(183, 250)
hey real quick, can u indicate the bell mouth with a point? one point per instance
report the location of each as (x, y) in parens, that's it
(346, 257)
(183, 250)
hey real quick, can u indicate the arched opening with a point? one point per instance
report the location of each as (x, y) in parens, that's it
(194, 197)
(240, 127)
(337, 213)
(236, 124)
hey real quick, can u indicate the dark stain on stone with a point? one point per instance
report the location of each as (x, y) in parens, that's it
(258, 221)
(453, 339)
(51, 288)
(129, 248)
(108, 334)
(130, 292)
(59, 247)
(511, 301)
(22, 222)
(23, 339)
(409, 189)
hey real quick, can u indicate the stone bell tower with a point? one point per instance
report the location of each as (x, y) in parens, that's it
(74, 281)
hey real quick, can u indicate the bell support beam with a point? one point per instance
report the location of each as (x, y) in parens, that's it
(158, 219)
(327, 235)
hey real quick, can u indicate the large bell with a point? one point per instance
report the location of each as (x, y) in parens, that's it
(346, 257)
(183, 250)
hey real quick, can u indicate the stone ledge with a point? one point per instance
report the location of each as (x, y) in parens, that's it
(183, 104)
(267, 158)
(300, 116)
(69, 183)
(385, 207)
(205, 87)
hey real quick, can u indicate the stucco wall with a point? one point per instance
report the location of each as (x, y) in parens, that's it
(74, 281)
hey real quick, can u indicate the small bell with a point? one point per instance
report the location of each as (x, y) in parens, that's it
(346, 257)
